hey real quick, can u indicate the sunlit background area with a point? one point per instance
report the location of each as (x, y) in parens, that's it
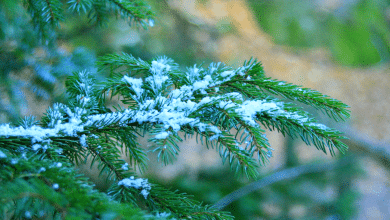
(339, 47)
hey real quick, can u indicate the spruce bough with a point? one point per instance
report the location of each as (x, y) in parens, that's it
(222, 106)
(225, 108)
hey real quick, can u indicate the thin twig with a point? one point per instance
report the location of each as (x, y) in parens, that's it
(285, 174)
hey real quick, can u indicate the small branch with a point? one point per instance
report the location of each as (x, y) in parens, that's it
(357, 142)
(282, 175)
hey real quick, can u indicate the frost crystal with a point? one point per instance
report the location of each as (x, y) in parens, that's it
(136, 183)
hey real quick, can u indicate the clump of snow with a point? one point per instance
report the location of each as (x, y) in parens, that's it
(269, 152)
(83, 140)
(125, 166)
(56, 186)
(227, 104)
(151, 22)
(59, 151)
(160, 65)
(299, 118)
(135, 83)
(229, 73)
(320, 126)
(250, 108)
(162, 135)
(159, 69)
(2, 155)
(203, 84)
(136, 183)
(36, 147)
(193, 73)
(27, 214)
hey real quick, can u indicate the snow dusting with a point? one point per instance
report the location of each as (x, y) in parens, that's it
(172, 111)
(135, 83)
(250, 108)
(136, 183)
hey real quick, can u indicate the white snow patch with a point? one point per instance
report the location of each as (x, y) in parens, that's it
(56, 186)
(320, 126)
(36, 147)
(2, 155)
(83, 140)
(125, 166)
(136, 183)
(162, 135)
(135, 83)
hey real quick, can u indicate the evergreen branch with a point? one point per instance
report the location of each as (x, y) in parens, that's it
(99, 12)
(239, 158)
(109, 158)
(334, 108)
(52, 11)
(78, 5)
(309, 131)
(136, 155)
(118, 86)
(165, 144)
(35, 8)
(135, 10)
(55, 191)
(181, 205)
(166, 102)
(46, 14)
(127, 61)
(257, 143)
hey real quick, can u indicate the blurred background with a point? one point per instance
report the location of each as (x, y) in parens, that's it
(338, 47)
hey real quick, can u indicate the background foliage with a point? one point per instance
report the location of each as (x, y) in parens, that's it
(356, 31)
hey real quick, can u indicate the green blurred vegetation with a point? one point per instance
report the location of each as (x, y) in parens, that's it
(357, 32)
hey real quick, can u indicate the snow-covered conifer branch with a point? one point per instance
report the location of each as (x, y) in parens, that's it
(223, 106)
(194, 103)
(332, 107)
